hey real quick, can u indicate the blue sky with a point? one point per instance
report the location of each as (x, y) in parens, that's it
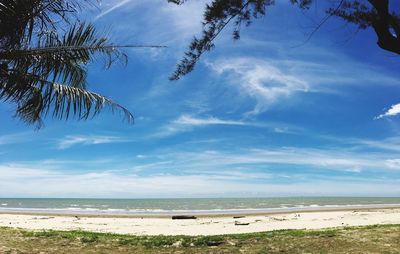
(269, 115)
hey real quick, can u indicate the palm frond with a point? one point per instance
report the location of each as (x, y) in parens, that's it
(43, 58)
(38, 97)
(20, 18)
(64, 58)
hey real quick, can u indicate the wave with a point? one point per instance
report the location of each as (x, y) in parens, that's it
(218, 211)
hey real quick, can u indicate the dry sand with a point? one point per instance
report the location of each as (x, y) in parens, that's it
(207, 225)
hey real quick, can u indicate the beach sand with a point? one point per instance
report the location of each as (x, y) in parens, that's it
(203, 225)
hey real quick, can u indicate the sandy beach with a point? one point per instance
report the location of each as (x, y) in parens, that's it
(204, 225)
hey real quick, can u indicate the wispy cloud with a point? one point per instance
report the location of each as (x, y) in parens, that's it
(113, 8)
(315, 158)
(200, 172)
(388, 144)
(393, 111)
(193, 121)
(270, 159)
(260, 80)
(269, 81)
(170, 24)
(185, 123)
(33, 182)
(14, 138)
(185, 19)
(70, 141)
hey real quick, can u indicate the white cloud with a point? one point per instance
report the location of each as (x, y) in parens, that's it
(393, 163)
(273, 158)
(322, 159)
(394, 110)
(70, 141)
(265, 159)
(113, 8)
(390, 144)
(242, 172)
(14, 138)
(281, 130)
(186, 123)
(32, 182)
(184, 19)
(235, 175)
(170, 24)
(193, 121)
(269, 81)
(17, 172)
(261, 80)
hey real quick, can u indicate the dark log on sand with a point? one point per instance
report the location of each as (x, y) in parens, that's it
(241, 224)
(183, 217)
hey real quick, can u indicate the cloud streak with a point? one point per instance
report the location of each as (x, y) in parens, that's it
(393, 111)
(193, 121)
(14, 138)
(113, 8)
(18, 182)
(204, 172)
(260, 80)
(186, 123)
(69, 141)
(269, 81)
(307, 158)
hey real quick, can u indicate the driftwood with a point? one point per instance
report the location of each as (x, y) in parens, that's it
(238, 217)
(183, 217)
(241, 224)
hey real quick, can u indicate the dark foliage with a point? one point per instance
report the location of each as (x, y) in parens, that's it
(43, 52)
(219, 13)
(373, 14)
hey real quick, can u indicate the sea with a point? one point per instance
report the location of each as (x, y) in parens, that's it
(201, 206)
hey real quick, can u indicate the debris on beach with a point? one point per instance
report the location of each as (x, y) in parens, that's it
(183, 217)
(277, 219)
(241, 223)
(42, 218)
(239, 217)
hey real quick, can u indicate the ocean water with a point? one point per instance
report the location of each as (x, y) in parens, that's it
(189, 206)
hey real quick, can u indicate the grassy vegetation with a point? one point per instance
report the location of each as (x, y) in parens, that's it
(368, 239)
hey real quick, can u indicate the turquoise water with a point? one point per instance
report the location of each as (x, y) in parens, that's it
(195, 205)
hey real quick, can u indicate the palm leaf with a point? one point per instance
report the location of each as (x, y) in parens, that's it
(42, 70)
(37, 97)
(64, 57)
(63, 101)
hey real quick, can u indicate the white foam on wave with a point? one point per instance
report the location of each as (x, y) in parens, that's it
(139, 211)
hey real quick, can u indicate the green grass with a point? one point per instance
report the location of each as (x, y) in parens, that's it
(367, 239)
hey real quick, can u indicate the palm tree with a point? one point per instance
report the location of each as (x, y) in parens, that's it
(43, 53)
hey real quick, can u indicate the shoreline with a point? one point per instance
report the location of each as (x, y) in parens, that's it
(205, 224)
(199, 213)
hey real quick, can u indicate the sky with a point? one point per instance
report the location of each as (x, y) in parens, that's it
(273, 114)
